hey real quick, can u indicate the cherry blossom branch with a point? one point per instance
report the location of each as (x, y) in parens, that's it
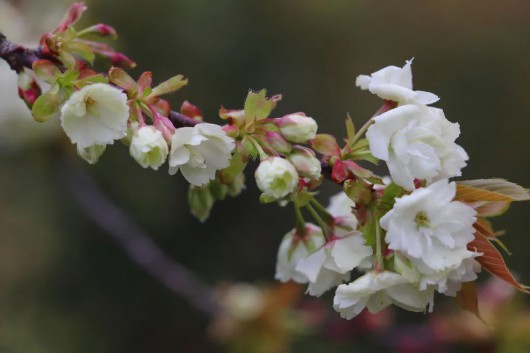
(135, 242)
(19, 57)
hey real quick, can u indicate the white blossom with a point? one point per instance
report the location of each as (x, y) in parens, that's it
(428, 225)
(298, 128)
(377, 290)
(95, 115)
(295, 247)
(341, 207)
(461, 267)
(331, 264)
(148, 147)
(276, 177)
(395, 84)
(417, 142)
(199, 151)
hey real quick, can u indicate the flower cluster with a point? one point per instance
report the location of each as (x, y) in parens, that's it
(400, 238)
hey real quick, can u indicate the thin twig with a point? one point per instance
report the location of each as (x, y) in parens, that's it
(135, 242)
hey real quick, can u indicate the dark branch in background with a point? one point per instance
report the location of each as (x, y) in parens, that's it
(134, 242)
(18, 57)
(180, 120)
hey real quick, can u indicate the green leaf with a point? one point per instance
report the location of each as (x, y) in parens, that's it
(358, 191)
(47, 105)
(390, 194)
(83, 50)
(122, 79)
(200, 201)
(257, 106)
(326, 145)
(169, 86)
(350, 129)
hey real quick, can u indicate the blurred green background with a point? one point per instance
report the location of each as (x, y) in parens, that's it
(65, 286)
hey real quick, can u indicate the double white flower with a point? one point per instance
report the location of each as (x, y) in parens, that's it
(148, 147)
(95, 115)
(417, 142)
(428, 225)
(276, 177)
(432, 231)
(395, 84)
(332, 263)
(199, 151)
(376, 291)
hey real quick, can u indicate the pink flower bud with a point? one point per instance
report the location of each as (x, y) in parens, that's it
(297, 127)
(101, 29)
(305, 162)
(28, 89)
(276, 141)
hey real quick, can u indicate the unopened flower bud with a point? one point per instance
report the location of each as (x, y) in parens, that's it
(148, 147)
(92, 153)
(305, 162)
(100, 29)
(28, 88)
(298, 127)
(276, 177)
(277, 142)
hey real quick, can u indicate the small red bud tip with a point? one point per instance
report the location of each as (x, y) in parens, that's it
(191, 111)
(30, 95)
(120, 60)
(105, 30)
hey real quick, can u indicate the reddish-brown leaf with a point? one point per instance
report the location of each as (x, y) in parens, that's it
(490, 190)
(491, 258)
(467, 299)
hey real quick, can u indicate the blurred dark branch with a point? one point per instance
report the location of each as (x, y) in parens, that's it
(136, 243)
(17, 56)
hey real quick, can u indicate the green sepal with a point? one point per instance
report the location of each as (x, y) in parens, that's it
(201, 201)
(390, 194)
(236, 186)
(168, 86)
(264, 198)
(350, 129)
(358, 191)
(217, 190)
(250, 149)
(48, 104)
(237, 165)
(46, 71)
(99, 78)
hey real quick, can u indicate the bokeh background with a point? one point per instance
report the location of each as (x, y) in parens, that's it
(66, 286)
